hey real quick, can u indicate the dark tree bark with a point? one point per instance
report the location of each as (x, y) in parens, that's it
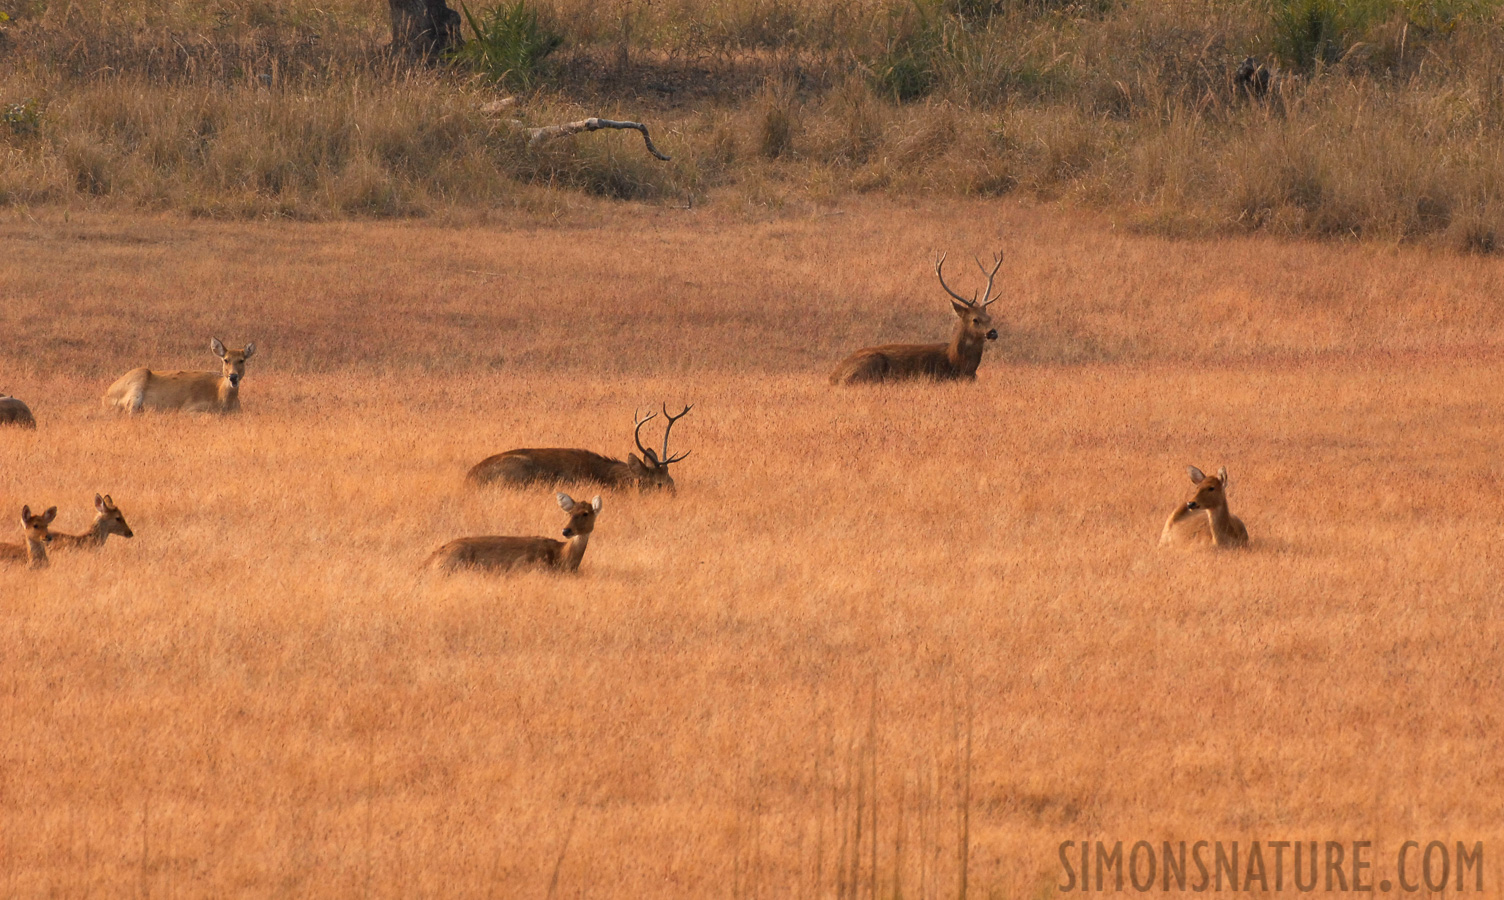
(423, 29)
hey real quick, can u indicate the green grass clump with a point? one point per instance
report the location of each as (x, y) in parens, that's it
(509, 44)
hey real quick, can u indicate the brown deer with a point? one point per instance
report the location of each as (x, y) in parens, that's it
(34, 549)
(1204, 519)
(940, 362)
(502, 553)
(14, 412)
(143, 389)
(108, 520)
(519, 468)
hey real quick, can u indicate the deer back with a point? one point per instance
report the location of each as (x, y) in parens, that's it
(497, 553)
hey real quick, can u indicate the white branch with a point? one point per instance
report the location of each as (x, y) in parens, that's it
(549, 132)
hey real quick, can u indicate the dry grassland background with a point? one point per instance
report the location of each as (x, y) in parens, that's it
(766, 685)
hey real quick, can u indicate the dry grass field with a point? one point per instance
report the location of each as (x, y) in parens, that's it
(874, 627)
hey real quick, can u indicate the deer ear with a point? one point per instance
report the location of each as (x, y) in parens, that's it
(49, 515)
(566, 502)
(1222, 475)
(99, 504)
(1196, 474)
(596, 503)
(250, 350)
(217, 347)
(635, 464)
(26, 514)
(961, 309)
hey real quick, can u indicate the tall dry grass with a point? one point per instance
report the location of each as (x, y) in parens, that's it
(245, 108)
(768, 684)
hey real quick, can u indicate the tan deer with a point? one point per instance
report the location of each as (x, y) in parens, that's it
(939, 362)
(1204, 519)
(519, 468)
(108, 520)
(14, 412)
(33, 549)
(502, 553)
(143, 389)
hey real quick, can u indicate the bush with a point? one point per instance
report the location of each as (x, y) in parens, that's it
(908, 67)
(509, 44)
(24, 118)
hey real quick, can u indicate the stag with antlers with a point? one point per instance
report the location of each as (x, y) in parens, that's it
(939, 362)
(555, 465)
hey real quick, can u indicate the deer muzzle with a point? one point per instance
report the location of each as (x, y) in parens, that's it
(569, 532)
(992, 335)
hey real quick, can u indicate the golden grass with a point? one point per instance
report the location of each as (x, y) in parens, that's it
(261, 694)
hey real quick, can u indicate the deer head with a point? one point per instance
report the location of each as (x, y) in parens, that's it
(1211, 491)
(232, 361)
(36, 526)
(581, 515)
(975, 320)
(110, 515)
(652, 469)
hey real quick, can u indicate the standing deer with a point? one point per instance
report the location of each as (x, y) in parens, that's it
(519, 468)
(34, 549)
(1205, 519)
(143, 389)
(14, 412)
(940, 362)
(109, 520)
(502, 553)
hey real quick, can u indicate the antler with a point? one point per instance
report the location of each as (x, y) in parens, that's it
(939, 267)
(670, 427)
(998, 258)
(637, 432)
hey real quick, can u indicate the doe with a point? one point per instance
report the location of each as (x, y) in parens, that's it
(1204, 518)
(33, 550)
(108, 520)
(143, 389)
(501, 553)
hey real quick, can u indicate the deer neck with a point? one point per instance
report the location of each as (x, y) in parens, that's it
(965, 351)
(574, 551)
(1221, 521)
(99, 532)
(229, 394)
(36, 552)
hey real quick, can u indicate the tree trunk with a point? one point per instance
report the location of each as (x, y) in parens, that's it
(423, 29)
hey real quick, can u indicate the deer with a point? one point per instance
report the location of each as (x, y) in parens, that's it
(939, 362)
(14, 412)
(520, 468)
(33, 550)
(503, 553)
(107, 521)
(142, 389)
(1204, 519)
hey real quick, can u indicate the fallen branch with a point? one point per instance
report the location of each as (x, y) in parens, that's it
(549, 132)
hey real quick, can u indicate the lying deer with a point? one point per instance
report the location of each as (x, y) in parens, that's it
(107, 521)
(520, 468)
(14, 412)
(1205, 519)
(33, 549)
(143, 389)
(502, 553)
(940, 362)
